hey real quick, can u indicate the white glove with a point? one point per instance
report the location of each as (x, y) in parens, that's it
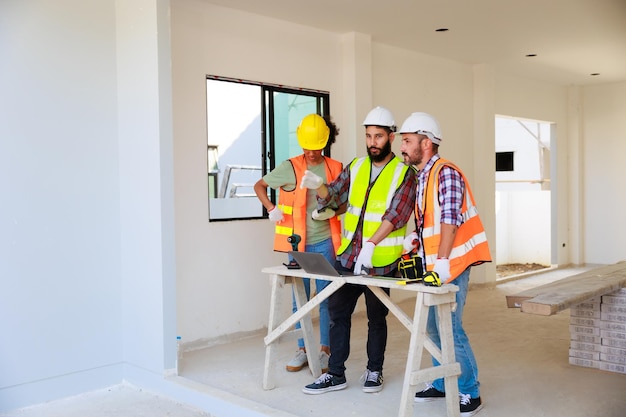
(442, 268)
(310, 180)
(276, 215)
(326, 214)
(365, 258)
(410, 242)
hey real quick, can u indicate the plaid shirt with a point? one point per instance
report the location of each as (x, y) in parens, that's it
(398, 213)
(451, 190)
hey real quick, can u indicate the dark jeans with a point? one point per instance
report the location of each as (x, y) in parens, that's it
(341, 305)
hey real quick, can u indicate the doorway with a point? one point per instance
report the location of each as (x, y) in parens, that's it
(523, 195)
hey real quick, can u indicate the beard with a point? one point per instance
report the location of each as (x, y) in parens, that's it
(382, 154)
(414, 159)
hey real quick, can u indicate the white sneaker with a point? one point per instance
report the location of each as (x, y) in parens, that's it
(324, 361)
(298, 362)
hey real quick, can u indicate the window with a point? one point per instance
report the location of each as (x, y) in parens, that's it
(504, 161)
(251, 127)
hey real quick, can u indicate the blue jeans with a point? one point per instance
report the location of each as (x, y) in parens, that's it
(468, 380)
(325, 248)
(341, 306)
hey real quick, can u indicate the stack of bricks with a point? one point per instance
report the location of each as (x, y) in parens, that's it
(598, 333)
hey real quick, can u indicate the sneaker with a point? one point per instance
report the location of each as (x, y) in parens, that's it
(429, 393)
(469, 405)
(372, 381)
(325, 383)
(298, 362)
(324, 361)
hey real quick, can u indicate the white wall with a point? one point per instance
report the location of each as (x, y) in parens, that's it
(86, 225)
(604, 149)
(60, 301)
(219, 263)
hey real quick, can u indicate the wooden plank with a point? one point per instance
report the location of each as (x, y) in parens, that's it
(516, 300)
(557, 296)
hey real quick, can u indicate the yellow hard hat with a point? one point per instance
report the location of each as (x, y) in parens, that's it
(312, 133)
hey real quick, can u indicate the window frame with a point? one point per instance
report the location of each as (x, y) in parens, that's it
(267, 132)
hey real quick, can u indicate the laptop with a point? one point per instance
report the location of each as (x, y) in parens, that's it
(316, 263)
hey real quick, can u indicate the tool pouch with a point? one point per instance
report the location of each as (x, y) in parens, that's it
(410, 266)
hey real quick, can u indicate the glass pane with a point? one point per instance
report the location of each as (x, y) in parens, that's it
(234, 149)
(289, 110)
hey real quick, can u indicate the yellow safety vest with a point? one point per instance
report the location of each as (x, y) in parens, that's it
(293, 205)
(470, 243)
(381, 194)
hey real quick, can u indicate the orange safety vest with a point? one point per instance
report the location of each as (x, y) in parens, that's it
(293, 205)
(470, 243)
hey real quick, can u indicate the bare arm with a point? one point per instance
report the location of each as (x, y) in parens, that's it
(448, 233)
(260, 188)
(383, 230)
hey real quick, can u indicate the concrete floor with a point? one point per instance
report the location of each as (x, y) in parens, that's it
(522, 358)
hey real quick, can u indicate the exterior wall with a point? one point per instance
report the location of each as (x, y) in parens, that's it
(523, 227)
(523, 211)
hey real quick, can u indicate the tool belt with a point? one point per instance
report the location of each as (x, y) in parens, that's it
(410, 266)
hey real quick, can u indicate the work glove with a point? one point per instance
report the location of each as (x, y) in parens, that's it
(311, 180)
(323, 214)
(276, 215)
(442, 268)
(411, 242)
(364, 260)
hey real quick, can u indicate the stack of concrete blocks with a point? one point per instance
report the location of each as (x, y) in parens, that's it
(598, 333)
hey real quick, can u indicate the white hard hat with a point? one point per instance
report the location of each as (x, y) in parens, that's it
(380, 116)
(423, 124)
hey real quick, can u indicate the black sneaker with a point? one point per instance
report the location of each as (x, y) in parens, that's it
(469, 405)
(325, 383)
(430, 393)
(372, 381)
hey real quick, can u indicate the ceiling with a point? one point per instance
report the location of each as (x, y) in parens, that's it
(572, 39)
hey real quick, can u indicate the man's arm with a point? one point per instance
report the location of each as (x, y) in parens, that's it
(383, 230)
(451, 192)
(448, 233)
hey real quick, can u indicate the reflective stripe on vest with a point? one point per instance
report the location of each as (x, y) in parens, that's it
(379, 199)
(470, 245)
(293, 205)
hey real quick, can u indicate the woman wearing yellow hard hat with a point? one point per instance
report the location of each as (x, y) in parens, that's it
(296, 214)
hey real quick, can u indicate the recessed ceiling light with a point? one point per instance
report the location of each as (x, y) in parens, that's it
(441, 30)
(530, 55)
(594, 74)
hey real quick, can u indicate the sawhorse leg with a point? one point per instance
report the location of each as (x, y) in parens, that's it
(275, 328)
(276, 305)
(448, 369)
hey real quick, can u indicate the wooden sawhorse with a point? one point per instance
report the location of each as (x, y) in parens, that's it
(443, 298)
